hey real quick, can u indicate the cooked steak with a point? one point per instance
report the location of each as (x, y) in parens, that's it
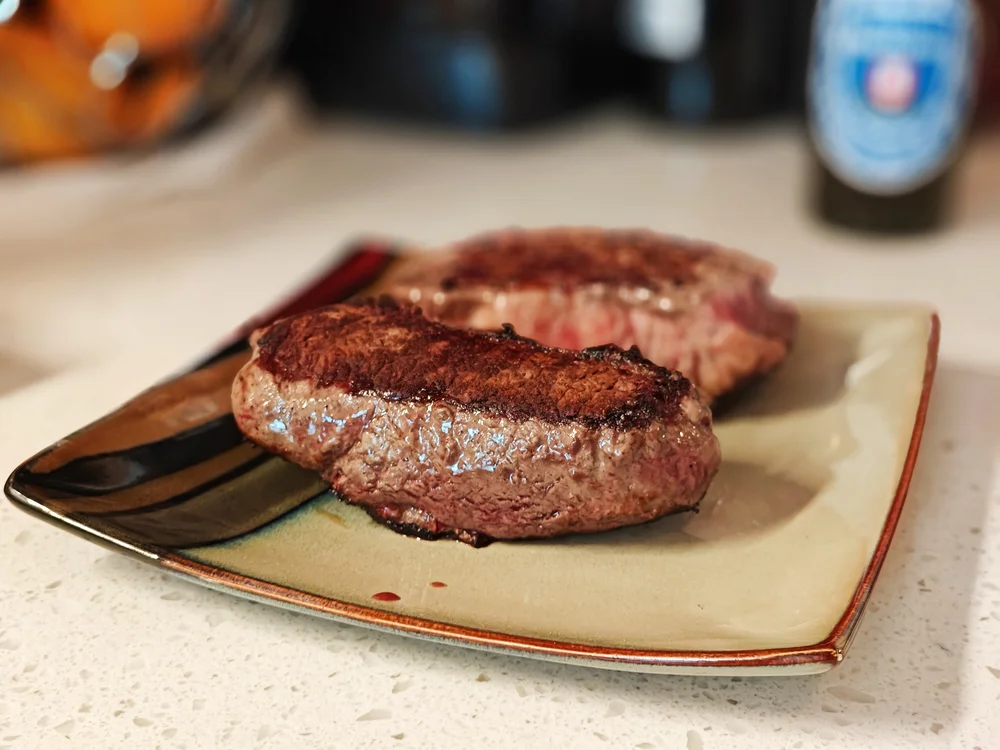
(688, 306)
(440, 431)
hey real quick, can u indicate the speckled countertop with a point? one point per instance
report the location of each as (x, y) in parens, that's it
(113, 277)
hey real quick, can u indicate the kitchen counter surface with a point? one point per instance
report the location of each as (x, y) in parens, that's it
(114, 275)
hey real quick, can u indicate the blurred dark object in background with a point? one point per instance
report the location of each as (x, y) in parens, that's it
(79, 77)
(891, 93)
(480, 64)
(800, 18)
(507, 63)
(704, 61)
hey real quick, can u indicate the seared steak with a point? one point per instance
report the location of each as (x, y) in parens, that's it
(440, 431)
(688, 306)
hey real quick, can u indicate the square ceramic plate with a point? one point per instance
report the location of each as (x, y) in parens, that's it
(771, 577)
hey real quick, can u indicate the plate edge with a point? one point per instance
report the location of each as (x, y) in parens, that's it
(820, 656)
(799, 660)
(843, 632)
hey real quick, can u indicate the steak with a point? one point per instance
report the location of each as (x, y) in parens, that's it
(688, 306)
(438, 431)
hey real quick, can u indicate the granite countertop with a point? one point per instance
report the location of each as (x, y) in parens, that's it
(114, 275)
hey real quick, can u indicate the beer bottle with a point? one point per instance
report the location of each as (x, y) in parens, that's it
(891, 89)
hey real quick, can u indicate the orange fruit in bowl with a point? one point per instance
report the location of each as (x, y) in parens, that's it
(31, 63)
(49, 106)
(31, 133)
(157, 25)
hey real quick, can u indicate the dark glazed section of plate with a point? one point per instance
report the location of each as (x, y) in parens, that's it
(170, 469)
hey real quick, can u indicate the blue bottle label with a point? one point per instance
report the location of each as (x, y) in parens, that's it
(891, 89)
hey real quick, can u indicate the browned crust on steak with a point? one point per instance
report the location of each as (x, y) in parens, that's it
(419, 360)
(570, 257)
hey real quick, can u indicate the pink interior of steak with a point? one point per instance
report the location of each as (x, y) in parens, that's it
(703, 310)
